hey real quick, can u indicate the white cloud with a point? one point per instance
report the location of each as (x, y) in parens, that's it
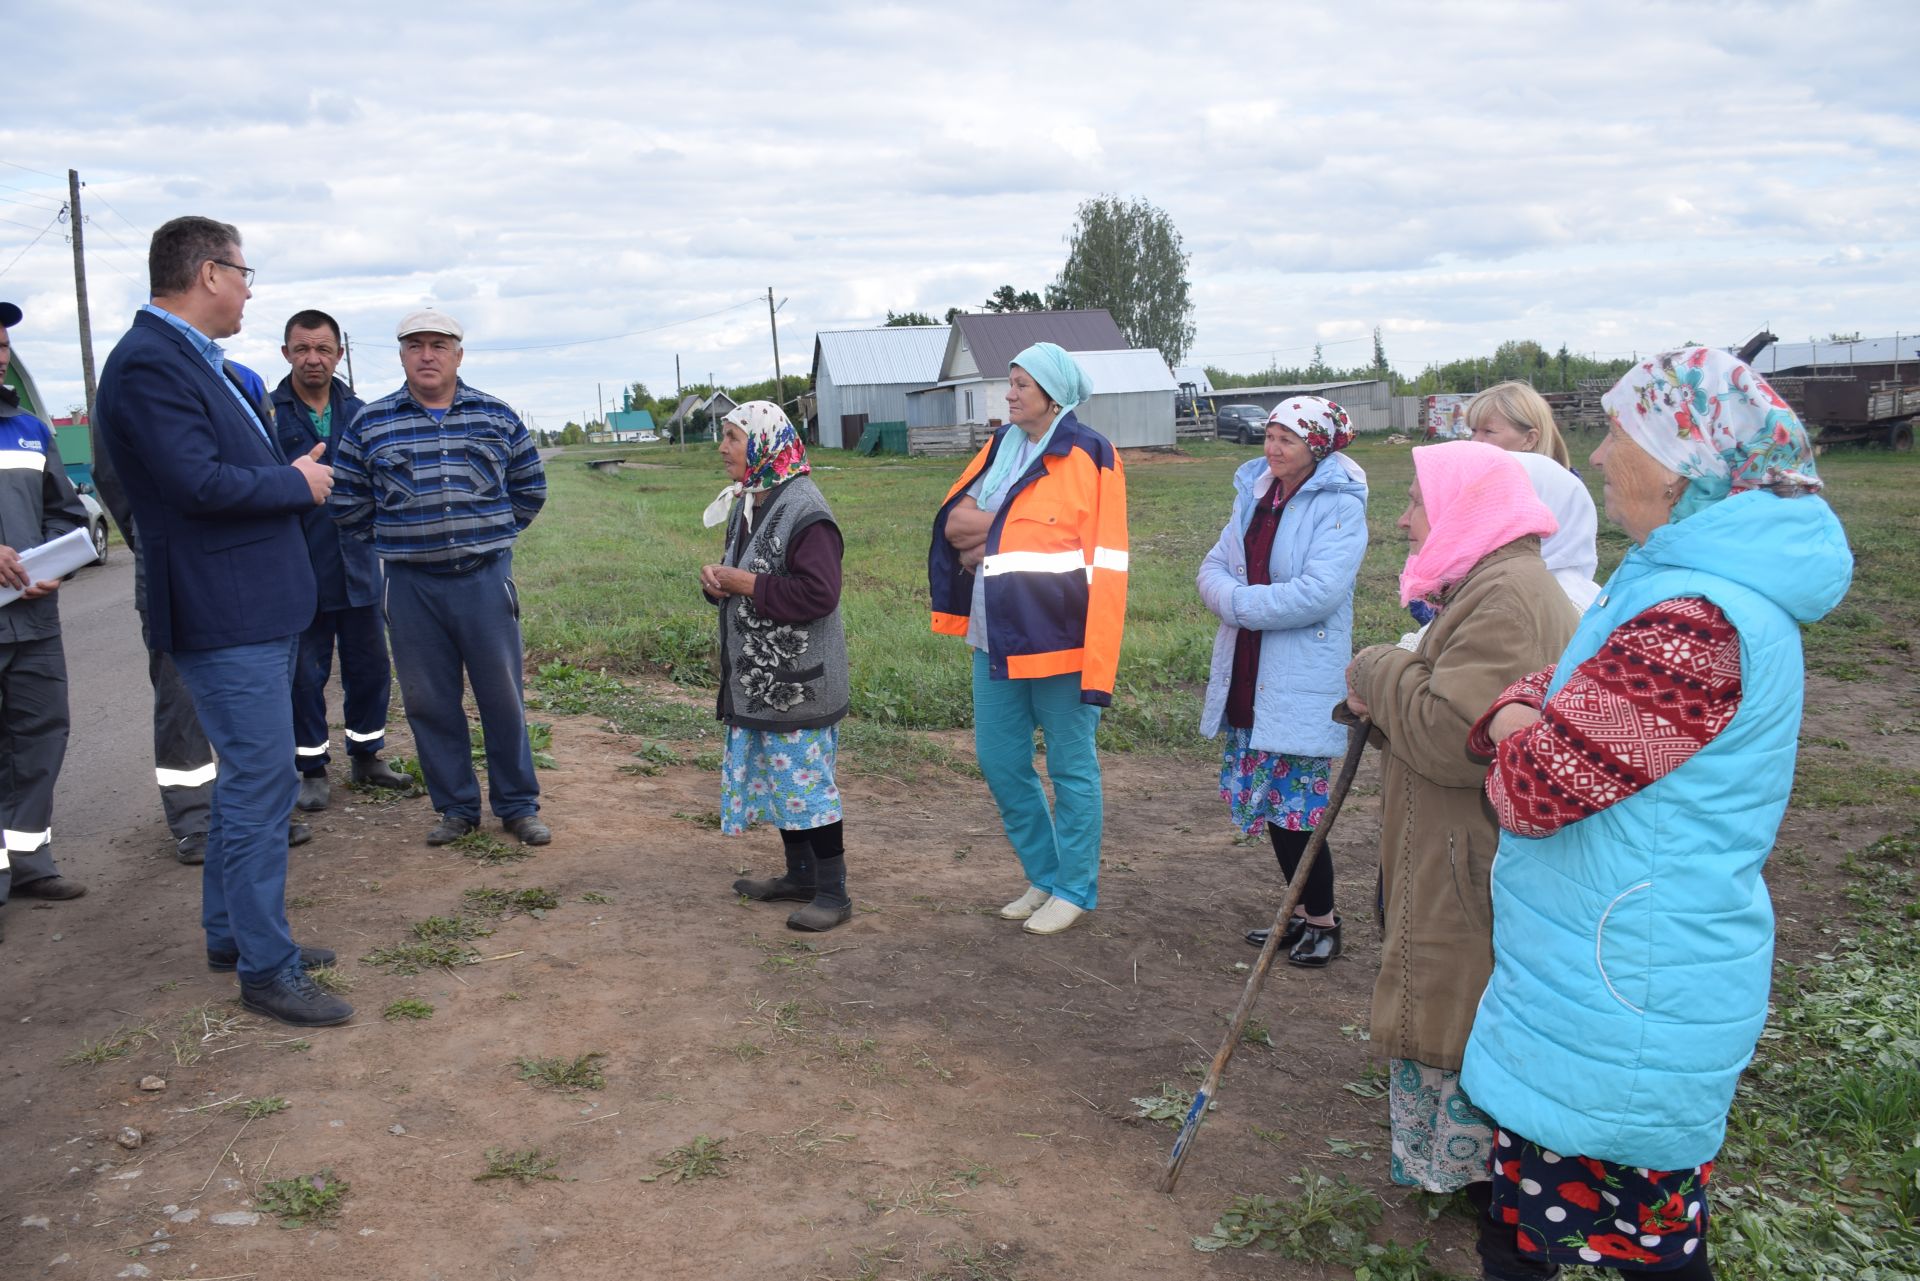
(1612, 177)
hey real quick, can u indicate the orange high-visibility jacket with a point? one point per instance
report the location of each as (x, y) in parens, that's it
(1056, 563)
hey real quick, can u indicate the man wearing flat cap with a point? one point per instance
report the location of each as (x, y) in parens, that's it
(442, 478)
(37, 505)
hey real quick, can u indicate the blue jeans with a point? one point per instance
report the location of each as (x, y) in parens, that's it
(244, 695)
(1059, 850)
(440, 625)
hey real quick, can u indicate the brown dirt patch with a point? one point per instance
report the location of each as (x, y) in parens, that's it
(927, 1093)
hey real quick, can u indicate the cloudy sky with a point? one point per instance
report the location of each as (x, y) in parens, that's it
(595, 188)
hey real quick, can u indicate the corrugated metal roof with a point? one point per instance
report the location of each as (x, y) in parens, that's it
(995, 340)
(1195, 374)
(1868, 351)
(1116, 373)
(898, 354)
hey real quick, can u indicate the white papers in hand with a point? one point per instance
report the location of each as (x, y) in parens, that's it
(53, 560)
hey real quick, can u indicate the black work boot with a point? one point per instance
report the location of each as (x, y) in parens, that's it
(1317, 947)
(795, 885)
(830, 905)
(315, 792)
(373, 772)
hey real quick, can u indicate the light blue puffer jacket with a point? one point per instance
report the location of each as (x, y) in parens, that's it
(1633, 950)
(1306, 614)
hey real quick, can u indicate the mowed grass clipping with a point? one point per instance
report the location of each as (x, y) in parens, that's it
(608, 575)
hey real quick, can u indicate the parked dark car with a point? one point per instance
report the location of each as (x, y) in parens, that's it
(1243, 423)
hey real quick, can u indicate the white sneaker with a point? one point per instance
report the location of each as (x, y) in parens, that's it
(1024, 906)
(1056, 917)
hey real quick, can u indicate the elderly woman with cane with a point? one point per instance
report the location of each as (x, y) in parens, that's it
(1640, 782)
(1280, 580)
(1029, 563)
(783, 661)
(1473, 528)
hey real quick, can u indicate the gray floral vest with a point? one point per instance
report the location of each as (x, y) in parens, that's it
(779, 676)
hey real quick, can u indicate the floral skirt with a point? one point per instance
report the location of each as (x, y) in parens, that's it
(1440, 1139)
(786, 779)
(1574, 1209)
(1259, 788)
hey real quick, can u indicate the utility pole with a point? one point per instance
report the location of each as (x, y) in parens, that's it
(74, 219)
(779, 386)
(346, 348)
(601, 397)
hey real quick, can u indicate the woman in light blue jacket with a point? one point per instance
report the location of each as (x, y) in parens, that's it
(1280, 580)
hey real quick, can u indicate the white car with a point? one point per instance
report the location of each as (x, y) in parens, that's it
(96, 526)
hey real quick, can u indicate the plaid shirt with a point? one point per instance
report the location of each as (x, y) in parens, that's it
(429, 492)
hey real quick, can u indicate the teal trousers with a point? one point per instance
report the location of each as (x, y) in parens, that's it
(1059, 849)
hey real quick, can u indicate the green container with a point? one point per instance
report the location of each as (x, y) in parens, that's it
(893, 437)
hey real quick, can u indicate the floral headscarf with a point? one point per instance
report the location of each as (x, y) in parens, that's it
(1704, 414)
(1321, 423)
(775, 454)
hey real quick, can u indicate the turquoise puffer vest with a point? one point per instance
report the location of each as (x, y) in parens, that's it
(1633, 949)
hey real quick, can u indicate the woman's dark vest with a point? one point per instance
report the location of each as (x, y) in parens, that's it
(779, 676)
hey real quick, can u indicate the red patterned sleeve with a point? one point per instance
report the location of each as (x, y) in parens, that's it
(1662, 686)
(1529, 691)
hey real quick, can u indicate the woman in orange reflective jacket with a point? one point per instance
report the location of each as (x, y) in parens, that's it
(1029, 564)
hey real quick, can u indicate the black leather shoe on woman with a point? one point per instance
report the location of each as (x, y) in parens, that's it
(1318, 945)
(1288, 936)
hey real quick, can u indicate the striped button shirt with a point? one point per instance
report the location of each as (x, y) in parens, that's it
(433, 492)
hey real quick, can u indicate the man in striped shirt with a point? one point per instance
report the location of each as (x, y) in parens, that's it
(442, 478)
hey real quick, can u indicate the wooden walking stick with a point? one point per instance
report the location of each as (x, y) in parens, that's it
(1182, 1143)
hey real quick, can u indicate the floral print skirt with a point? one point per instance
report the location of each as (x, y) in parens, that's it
(785, 779)
(1440, 1139)
(1574, 1209)
(1259, 788)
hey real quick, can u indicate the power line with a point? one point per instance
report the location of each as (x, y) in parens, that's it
(100, 199)
(45, 201)
(29, 226)
(43, 231)
(42, 172)
(654, 329)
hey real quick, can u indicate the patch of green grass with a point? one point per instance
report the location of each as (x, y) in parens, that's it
(117, 1044)
(1255, 1032)
(1373, 1083)
(449, 929)
(488, 851)
(330, 978)
(581, 1072)
(539, 740)
(411, 958)
(407, 1007)
(306, 1200)
(1824, 778)
(701, 818)
(526, 1166)
(1326, 1223)
(501, 902)
(699, 1158)
(1169, 1106)
(595, 896)
(254, 1109)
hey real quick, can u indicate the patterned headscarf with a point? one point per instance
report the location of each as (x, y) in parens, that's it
(1705, 415)
(775, 454)
(1478, 499)
(1321, 423)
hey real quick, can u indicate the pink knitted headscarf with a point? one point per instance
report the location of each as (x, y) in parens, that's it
(1478, 499)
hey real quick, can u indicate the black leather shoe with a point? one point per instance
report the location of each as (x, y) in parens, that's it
(450, 829)
(1317, 947)
(50, 887)
(295, 999)
(528, 830)
(191, 849)
(1288, 936)
(298, 833)
(315, 792)
(311, 958)
(777, 889)
(371, 771)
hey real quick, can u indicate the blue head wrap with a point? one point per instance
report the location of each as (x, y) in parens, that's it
(1061, 377)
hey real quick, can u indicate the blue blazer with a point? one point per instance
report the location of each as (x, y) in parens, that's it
(346, 569)
(217, 506)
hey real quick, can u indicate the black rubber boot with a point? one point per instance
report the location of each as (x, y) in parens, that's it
(795, 885)
(830, 905)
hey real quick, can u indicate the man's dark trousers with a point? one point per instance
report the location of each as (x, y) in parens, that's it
(366, 681)
(441, 623)
(244, 694)
(33, 742)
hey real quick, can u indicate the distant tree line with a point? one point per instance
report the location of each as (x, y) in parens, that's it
(1521, 360)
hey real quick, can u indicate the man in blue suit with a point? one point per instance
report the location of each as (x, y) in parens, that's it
(229, 589)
